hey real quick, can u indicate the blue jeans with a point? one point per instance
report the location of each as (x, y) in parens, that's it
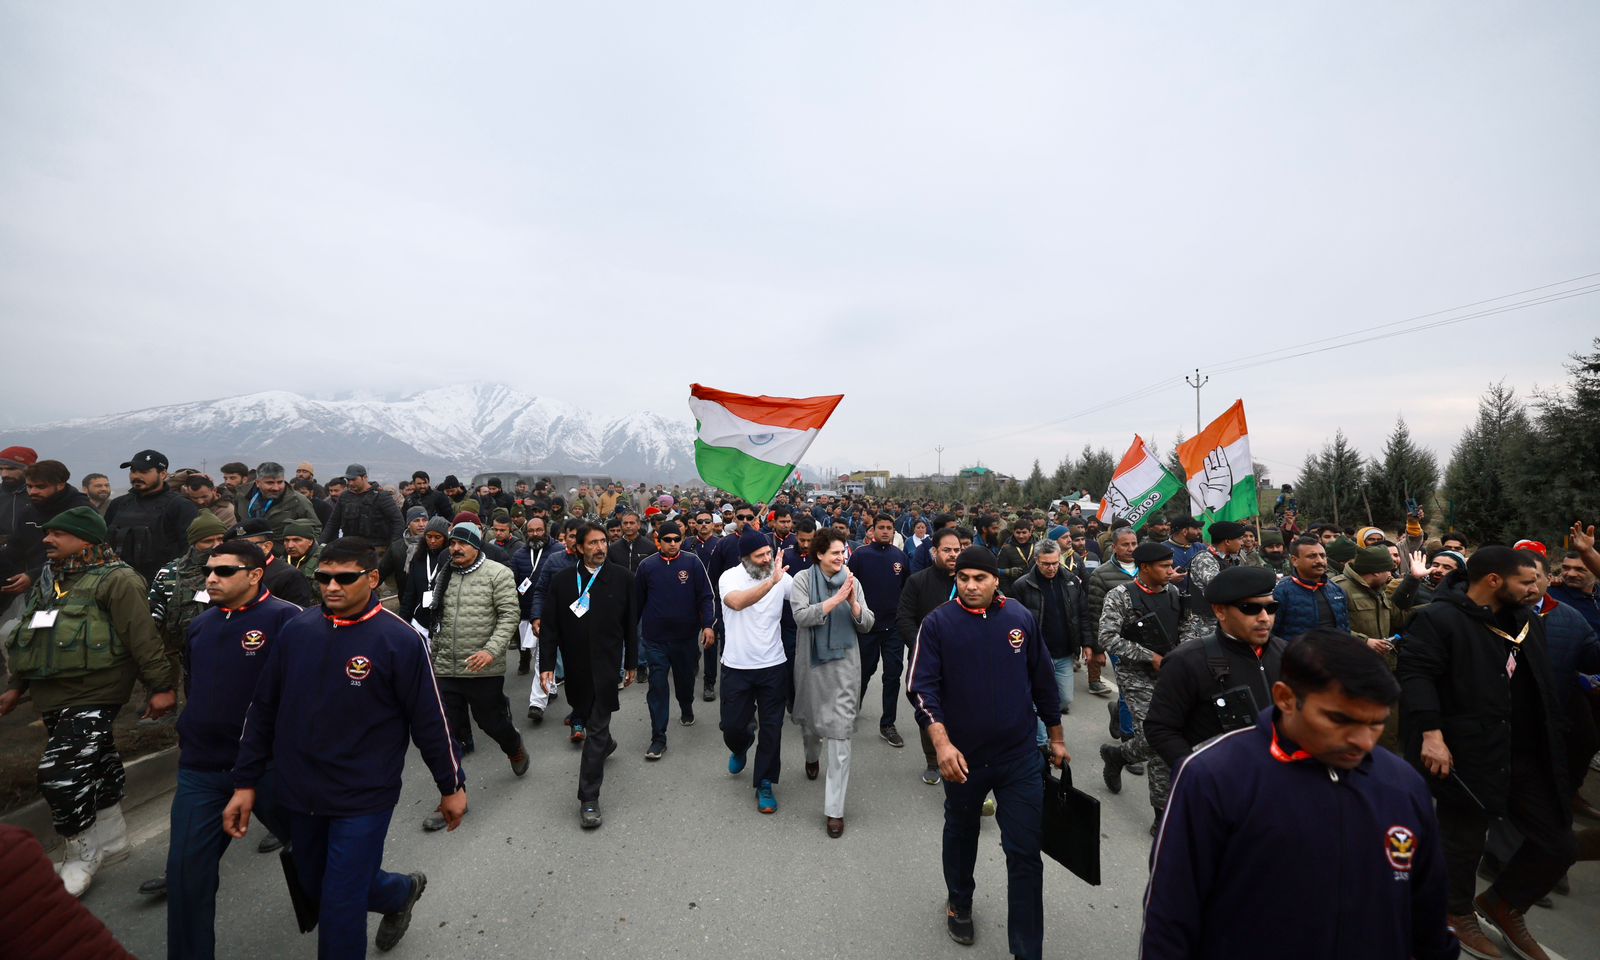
(1123, 713)
(340, 863)
(1063, 687)
(194, 853)
(680, 656)
(1018, 787)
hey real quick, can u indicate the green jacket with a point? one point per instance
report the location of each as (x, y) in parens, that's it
(293, 505)
(101, 640)
(308, 568)
(172, 598)
(480, 612)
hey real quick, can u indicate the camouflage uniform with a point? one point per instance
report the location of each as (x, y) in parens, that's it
(173, 605)
(1198, 622)
(1137, 681)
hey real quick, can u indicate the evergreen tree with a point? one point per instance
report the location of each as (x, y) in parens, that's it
(1486, 482)
(1331, 484)
(1096, 469)
(1568, 452)
(1404, 471)
(1035, 489)
(1061, 480)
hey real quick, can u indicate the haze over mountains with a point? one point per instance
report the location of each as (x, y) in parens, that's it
(456, 429)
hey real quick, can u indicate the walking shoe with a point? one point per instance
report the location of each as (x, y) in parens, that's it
(1137, 769)
(1111, 756)
(1116, 720)
(813, 768)
(269, 844)
(736, 762)
(657, 748)
(1474, 943)
(577, 733)
(154, 888)
(710, 692)
(891, 736)
(836, 827)
(765, 801)
(687, 717)
(610, 750)
(80, 860)
(519, 761)
(931, 776)
(111, 835)
(536, 714)
(1510, 922)
(1100, 688)
(958, 921)
(393, 925)
(589, 814)
(622, 684)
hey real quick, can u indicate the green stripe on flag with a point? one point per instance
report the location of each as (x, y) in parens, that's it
(1243, 504)
(742, 475)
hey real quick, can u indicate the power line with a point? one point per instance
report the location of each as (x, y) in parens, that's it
(1273, 356)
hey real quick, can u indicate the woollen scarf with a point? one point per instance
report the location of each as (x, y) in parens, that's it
(834, 637)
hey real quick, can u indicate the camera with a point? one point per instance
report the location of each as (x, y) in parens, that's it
(1236, 708)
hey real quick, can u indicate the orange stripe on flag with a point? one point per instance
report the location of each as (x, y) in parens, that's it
(795, 413)
(1221, 432)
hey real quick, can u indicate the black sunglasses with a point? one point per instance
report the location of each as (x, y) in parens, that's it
(671, 539)
(225, 570)
(1256, 609)
(744, 516)
(344, 579)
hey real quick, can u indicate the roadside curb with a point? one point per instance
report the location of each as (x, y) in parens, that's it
(150, 777)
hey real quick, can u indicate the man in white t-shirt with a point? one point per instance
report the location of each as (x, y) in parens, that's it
(755, 670)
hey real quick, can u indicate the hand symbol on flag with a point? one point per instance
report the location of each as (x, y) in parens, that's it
(1120, 507)
(1216, 482)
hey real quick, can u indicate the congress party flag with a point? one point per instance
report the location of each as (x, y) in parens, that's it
(1221, 476)
(748, 446)
(1139, 485)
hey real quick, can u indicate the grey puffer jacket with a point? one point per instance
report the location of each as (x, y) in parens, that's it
(477, 612)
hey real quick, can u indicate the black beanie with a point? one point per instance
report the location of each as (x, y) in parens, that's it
(977, 558)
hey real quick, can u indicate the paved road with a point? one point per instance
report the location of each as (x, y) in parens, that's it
(686, 867)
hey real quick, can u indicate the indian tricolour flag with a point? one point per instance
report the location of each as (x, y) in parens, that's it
(748, 446)
(1139, 485)
(1221, 476)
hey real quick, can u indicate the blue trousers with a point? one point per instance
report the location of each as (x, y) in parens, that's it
(340, 862)
(678, 656)
(1018, 788)
(885, 645)
(1064, 680)
(194, 855)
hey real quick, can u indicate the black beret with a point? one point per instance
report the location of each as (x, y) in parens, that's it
(1151, 551)
(1240, 583)
(977, 558)
(1226, 530)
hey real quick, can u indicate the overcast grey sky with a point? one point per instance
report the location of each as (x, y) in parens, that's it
(968, 218)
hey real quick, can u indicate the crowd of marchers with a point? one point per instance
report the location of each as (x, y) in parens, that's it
(1396, 714)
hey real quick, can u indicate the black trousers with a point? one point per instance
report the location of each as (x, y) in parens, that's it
(1548, 847)
(884, 645)
(747, 695)
(597, 745)
(486, 698)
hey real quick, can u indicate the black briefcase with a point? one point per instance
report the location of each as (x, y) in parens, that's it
(306, 910)
(1070, 831)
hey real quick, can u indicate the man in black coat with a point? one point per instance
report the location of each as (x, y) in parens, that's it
(926, 591)
(49, 493)
(149, 525)
(1479, 719)
(1238, 664)
(590, 618)
(365, 511)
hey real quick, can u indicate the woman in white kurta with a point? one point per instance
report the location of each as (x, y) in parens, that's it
(829, 611)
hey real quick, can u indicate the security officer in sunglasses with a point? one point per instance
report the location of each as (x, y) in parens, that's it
(1222, 681)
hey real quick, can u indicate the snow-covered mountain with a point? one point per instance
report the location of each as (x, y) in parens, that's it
(460, 429)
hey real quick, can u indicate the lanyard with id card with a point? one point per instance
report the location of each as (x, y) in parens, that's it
(1516, 646)
(580, 606)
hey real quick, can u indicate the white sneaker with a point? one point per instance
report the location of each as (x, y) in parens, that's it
(78, 865)
(111, 835)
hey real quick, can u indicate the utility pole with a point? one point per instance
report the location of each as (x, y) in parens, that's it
(1197, 383)
(940, 452)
